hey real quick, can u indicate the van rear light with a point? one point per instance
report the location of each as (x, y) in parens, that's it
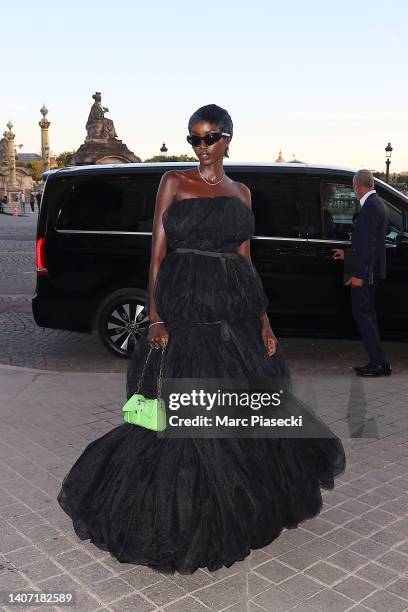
(41, 257)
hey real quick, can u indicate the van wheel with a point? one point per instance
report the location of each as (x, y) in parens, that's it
(120, 320)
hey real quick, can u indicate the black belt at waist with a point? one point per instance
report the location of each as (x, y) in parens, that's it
(224, 324)
(211, 253)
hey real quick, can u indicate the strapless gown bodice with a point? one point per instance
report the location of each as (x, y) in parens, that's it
(193, 286)
(218, 223)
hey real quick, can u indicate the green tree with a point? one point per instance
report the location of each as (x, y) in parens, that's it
(36, 166)
(379, 175)
(61, 159)
(170, 158)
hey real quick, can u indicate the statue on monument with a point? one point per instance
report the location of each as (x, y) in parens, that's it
(108, 128)
(98, 126)
(102, 145)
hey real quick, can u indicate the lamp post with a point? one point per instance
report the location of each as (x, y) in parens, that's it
(388, 151)
(163, 149)
(45, 144)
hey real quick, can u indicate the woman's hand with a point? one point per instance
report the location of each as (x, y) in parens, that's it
(268, 337)
(157, 336)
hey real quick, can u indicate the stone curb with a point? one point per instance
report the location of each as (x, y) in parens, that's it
(5, 367)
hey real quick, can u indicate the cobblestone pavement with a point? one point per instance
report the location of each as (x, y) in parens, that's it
(353, 556)
(26, 344)
(17, 267)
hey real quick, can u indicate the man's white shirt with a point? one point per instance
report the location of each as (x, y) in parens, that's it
(365, 196)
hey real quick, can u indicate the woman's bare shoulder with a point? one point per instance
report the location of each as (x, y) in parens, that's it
(244, 193)
(172, 183)
(175, 178)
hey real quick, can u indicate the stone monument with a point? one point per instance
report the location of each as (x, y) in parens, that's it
(12, 185)
(15, 173)
(101, 144)
(4, 147)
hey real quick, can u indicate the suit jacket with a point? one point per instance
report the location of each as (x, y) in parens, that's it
(368, 240)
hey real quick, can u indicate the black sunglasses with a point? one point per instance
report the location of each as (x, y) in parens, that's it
(209, 139)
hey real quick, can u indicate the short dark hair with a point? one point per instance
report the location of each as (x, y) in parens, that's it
(213, 114)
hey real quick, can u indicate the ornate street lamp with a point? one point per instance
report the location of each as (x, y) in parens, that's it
(45, 143)
(163, 149)
(388, 151)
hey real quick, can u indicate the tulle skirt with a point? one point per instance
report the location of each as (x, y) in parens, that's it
(182, 504)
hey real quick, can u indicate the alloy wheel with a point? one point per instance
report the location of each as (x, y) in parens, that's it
(123, 326)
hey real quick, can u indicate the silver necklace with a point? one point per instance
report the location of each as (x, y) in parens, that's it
(208, 182)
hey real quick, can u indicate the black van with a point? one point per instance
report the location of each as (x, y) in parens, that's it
(94, 243)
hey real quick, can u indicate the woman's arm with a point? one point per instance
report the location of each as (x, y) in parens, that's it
(165, 196)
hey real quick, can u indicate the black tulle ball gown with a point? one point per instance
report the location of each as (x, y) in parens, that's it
(182, 504)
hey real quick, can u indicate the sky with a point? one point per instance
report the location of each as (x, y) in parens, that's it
(325, 81)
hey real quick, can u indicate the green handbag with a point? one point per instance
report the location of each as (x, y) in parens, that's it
(143, 411)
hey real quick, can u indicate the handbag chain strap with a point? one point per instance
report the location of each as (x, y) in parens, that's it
(159, 380)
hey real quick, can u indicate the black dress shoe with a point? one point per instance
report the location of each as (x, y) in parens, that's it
(374, 370)
(359, 368)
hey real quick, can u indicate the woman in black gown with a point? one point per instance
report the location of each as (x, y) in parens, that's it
(182, 504)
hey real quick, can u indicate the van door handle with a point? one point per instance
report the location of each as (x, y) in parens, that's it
(281, 250)
(324, 252)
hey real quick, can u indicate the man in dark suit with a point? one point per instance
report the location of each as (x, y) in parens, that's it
(368, 254)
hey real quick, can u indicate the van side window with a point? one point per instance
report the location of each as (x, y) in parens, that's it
(276, 205)
(395, 219)
(109, 203)
(338, 207)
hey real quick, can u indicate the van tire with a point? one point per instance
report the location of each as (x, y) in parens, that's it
(112, 314)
